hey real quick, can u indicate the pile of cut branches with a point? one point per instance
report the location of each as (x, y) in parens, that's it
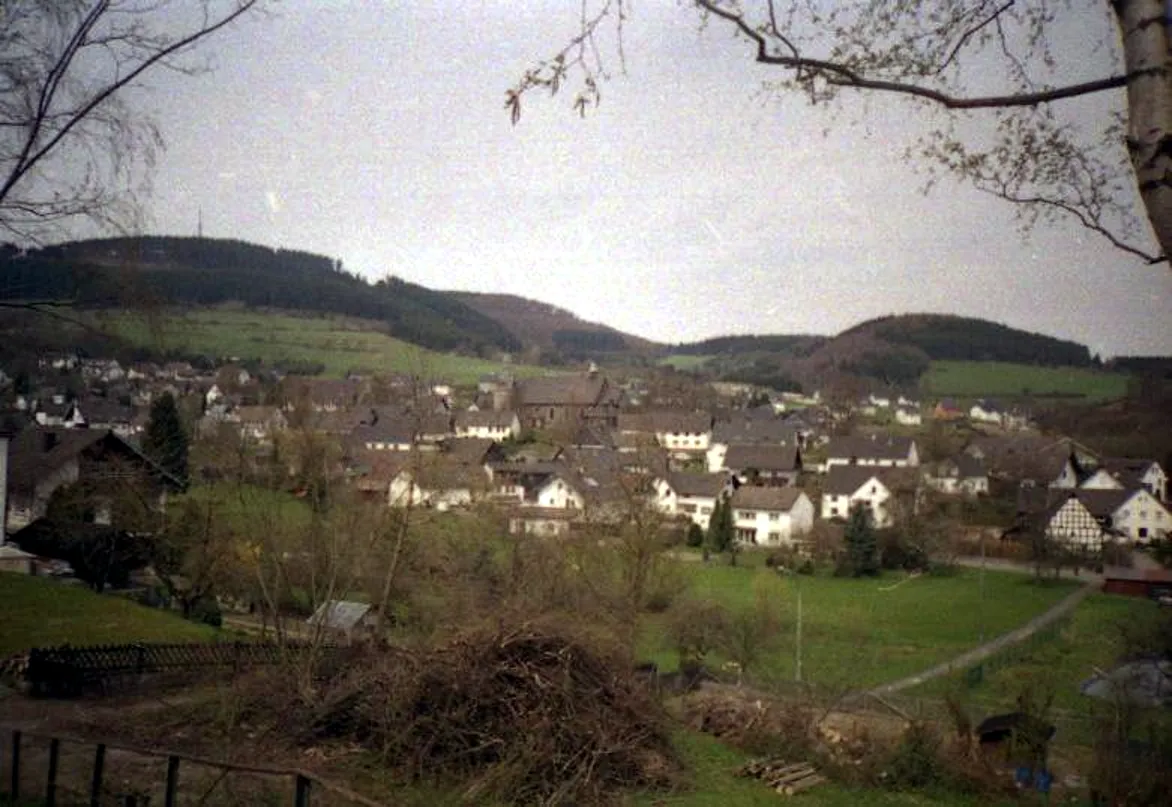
(525, 714)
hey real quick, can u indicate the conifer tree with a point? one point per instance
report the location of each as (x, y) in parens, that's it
(861, 547)
(165, 440)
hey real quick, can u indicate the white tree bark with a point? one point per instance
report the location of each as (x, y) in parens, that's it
(1144, 25)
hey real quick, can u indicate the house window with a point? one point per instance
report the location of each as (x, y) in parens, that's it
(833, 511)
(1143, 513)
(874, 489)
(773, 516)
(774, 537)
(705, 511)
(1143, 532)
(748, 514)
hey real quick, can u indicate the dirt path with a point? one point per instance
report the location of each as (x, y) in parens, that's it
(991, 648)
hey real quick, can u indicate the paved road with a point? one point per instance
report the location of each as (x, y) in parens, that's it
(982, 652)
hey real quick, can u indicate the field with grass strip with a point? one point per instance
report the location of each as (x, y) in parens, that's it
(41, 612)
(978, 379)
(1093, 638)
(340, 344)
(861, 633)
(684, 362)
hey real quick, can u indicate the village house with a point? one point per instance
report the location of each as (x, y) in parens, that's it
(985, 411)
(1032, 460)
(1060, 516)
(947, 410)
(908, 416)
(438, 480)
(963, 475)
(554, 401)
(1120, 473)
(771, 516)
(880, 451)
(751, 427)
(43, 459)
(259, 423)
(677, 432)
(691, 494)
(764, 464)
(488, 424)
(878, 490)
(1135, 515)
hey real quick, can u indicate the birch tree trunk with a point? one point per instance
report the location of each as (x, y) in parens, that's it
(1144, 25)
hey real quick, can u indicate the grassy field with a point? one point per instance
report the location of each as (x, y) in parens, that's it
(40, 612)
(973, 379)
(860, 633)
(1094, 638)
(340, 344)
(683, 362)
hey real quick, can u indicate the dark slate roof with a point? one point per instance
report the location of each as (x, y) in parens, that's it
(38, 451)
(562, 390)
(762, 458)
(1127, 470)
(708, 485)
(752, 497)
(670, 422)
(485, 419)
(747, 428)
(872, 447)
(844, 480)
(1103, 503)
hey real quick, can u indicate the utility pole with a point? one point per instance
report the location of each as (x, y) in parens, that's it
(981, 607)
(798, 631)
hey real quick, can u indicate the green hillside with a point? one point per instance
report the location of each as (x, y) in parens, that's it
(973, 379)
(339, 344)
(122, 272)
(40, 612)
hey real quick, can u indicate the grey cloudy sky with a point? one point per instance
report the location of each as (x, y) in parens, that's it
(685, 206)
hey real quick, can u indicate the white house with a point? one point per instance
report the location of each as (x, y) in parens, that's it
(770, 516)
(964, 475)
(1070, 522)
(1135, 514)
(848, 485)
(677, 432)
(986, 412)
(1120, 473)
(908, 416)
(877, 451)
(690, 494)
(488, 424)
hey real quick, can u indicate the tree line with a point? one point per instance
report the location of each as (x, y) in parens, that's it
(201, 271)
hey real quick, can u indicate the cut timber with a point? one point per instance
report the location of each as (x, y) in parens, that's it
(803, 784)
(783, 777)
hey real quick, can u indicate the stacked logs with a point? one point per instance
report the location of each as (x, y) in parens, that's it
(785, 778)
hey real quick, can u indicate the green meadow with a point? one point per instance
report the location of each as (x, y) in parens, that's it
(340, 344)
(978, 379)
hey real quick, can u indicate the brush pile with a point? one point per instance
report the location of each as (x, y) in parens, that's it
(527, 715)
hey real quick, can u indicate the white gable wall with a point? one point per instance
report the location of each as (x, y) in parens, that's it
(1142, 518)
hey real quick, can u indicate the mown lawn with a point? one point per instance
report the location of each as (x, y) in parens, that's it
(977, 379)
(41, 612)
(861, 633)
(684, 362)
(340, 344)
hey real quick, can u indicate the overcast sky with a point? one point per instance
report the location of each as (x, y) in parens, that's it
(685, 206)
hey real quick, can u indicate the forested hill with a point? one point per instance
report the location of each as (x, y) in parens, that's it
(203, 271)
(943, 337)
(792, 344)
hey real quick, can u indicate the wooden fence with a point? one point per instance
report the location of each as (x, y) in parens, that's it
(66, 670)
(60, 770)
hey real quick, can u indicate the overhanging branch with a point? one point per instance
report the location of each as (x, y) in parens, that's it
(839, 75)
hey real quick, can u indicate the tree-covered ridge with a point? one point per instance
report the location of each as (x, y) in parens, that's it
(202, 271)
(792, 344)
(945, 337)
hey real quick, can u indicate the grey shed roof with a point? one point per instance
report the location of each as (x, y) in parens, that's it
(339, 614)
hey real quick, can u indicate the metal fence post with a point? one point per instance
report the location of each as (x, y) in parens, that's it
(14, 787)
(301, 794)
(172, 781)
(96, 781)
(51, 783)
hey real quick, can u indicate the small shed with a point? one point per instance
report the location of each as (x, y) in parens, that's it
(1152, 583)
(15, 559)
(350, 620)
